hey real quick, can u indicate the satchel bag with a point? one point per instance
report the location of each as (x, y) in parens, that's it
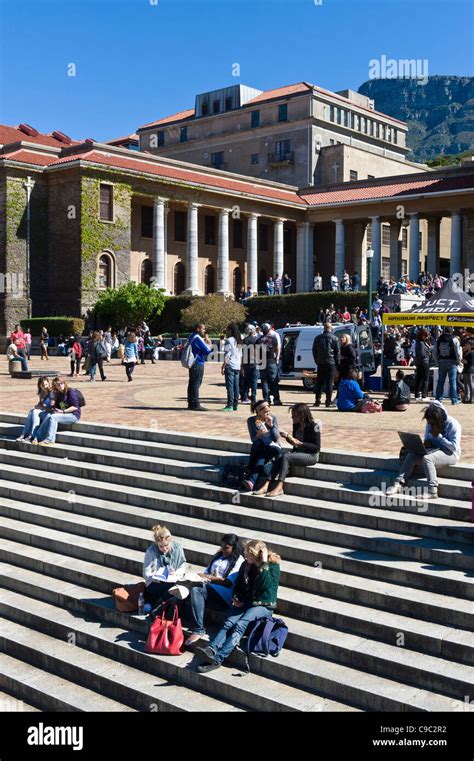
(370, 405)
(126, 598)
(166, 636)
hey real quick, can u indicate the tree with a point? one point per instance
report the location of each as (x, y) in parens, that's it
(129, 304)
(214, 311)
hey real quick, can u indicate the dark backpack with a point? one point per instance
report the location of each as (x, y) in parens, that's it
(233, 475)
(265, 636)
(80, 396)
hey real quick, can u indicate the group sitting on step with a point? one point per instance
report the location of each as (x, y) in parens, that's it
(57, 404)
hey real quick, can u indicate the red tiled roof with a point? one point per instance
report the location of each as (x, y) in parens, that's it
(184, 175)
(14, 135)
(387, 189)
(280, 92)
(180, 116)
(29, 157)
(117, 140)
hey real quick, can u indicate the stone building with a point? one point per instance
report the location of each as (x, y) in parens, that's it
(76, 218)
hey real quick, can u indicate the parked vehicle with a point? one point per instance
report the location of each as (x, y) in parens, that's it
(297, 349)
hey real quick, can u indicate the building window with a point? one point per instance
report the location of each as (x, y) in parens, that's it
(147, 222)
(263, 237)
(363, 126)
(255, 158)
(237, 282)
(216, 106)
(183, 135)
(395, 136)
(180, 226)
(404, 267)
(332, 141)
(351, 119)
(369, 234)
(283, 112)
(262, 280)
(178, 278)
(343, 117)
(228, 104)
(331, 113)
(106, 203)
(217, 159)
(105, 271)
(146, 271)
(255, 119)
(209, 279)
(389, 134)
(282, 149)
(352, 175)
(237, 233)
(420, 242)
(210, 230)
(337, 112)
(385, 269)
(404, 237)
(204, 108)
(161, 138)
(356, 122)
(385, 235)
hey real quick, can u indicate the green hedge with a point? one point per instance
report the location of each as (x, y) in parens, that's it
(56, 326)
(169, 320)
(300, 307)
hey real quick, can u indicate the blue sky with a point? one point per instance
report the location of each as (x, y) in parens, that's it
(137, 61)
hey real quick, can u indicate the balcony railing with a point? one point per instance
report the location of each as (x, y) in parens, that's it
(277, 159)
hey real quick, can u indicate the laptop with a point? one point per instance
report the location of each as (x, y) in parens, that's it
(413, 442)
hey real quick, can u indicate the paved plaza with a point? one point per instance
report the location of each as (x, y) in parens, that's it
(156, 398)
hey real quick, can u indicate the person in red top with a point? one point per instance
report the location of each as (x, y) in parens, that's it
(17, 337)
(345, 315)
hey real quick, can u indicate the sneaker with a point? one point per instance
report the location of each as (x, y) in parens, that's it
(208, 667)
(246, 485)
(456, 401)
(427, 495)
(207, 653)
(245, 401)
(395, 489)
(45, 444)
(425, 399)
(317, 404)
(21, 438)
(228, 409)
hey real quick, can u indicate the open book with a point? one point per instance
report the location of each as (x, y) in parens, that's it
(180, 575)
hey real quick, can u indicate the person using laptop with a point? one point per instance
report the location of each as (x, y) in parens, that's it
(442, 441)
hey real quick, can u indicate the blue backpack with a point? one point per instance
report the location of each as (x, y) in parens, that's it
(265, 636)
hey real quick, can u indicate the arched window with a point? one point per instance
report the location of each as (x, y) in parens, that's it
(146, 271)
(178, 278)
(262, 280)
(237, 282)
(105, 271)
(209, 279)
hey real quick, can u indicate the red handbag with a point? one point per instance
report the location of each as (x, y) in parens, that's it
(165, 636)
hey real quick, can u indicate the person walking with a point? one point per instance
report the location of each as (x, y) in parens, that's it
(130, 354)
(98, 353)
(422, 364)
(44, 343)
(306, 442)
(326, 354)
(75, 354)
(108, 342)
(269, 370)
(232, 365)
(249, 366)
(449, 356)
(201, 351)
(28, 340)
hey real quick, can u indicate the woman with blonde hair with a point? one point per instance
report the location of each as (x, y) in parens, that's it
(162, 559)
(67, 410)
(255, 596)
(45, 403)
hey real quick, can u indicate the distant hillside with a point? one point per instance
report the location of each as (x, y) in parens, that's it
(439, 114)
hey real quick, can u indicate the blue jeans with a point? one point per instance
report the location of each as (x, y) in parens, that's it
(49, 427)
(452, 372)
(234, 628)
(250, 381)
(196, 373)
(232, 384)
(32, 421)
(262, 457)
(24, 363)
(200, 597)
(270, 378)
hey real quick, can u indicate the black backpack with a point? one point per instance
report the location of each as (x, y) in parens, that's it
(80, 396)
(233, 475)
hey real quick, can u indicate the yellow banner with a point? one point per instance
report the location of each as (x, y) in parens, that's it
(455, 319)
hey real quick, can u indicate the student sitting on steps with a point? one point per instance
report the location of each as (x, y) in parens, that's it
(255, 596)
(162, 559)
(265, 436)
(306, 442)
(45, 403)
(67, 410)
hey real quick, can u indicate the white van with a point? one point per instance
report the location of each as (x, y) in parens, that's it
(297, 343)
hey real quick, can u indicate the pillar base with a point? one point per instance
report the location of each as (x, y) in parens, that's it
(224, 294)
(191, 292)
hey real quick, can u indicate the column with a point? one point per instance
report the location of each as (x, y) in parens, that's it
(301, 256)
(359, 253)
(223, 254)
(278, 252)
(456, 238)
(414, 253)
(309, 255)
(192, 284)
(433, 244)
(167, 210)
(376, 245)
(252, 252)
(159, 243)
(339, 259)
(395, 249)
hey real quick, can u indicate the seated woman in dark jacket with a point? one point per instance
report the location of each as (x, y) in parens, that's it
(67, 409)
(398, 395)
(264, 435)
(306, 443)
(255, 596)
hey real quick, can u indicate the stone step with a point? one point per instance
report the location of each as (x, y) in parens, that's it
(47, 690)
(370, 691)
(96, 464)
(305, 554)
(460, 471)
(10, 704)
(396, 662)
(296, 595)
(112, 658)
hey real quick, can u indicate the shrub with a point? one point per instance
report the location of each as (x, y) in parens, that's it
(56, 326)
(300, 307)
(215, 311)
(169, 321)
(129, 304)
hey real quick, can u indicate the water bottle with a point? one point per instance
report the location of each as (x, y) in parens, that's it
(141, 604)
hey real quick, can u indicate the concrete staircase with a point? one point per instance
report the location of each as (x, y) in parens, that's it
(379, 599)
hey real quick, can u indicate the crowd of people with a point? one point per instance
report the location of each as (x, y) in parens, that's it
(425, 285)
